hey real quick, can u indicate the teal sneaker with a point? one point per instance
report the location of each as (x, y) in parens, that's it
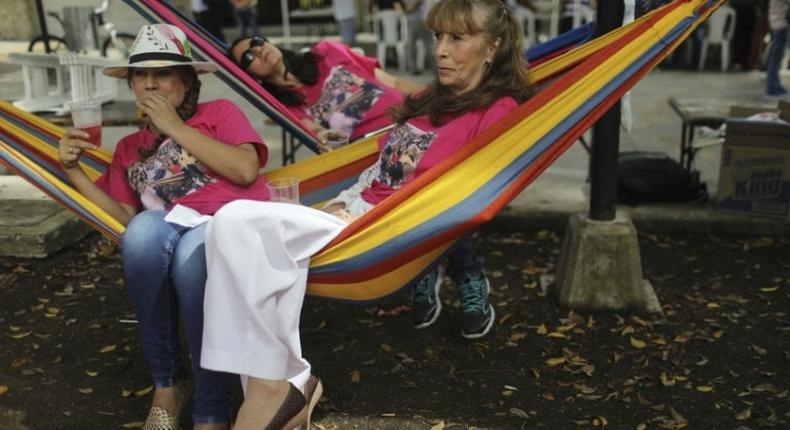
(425, 302)
(477, 313)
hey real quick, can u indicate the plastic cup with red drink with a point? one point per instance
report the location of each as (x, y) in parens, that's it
(86, 115)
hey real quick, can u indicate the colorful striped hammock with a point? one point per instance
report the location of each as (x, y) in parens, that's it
(402, 237)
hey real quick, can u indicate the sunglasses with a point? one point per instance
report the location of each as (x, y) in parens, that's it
(248, 57)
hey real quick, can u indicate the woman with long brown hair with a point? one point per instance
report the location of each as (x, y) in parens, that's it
(258, 253)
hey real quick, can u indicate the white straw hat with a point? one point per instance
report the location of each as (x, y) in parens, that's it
(160, 45)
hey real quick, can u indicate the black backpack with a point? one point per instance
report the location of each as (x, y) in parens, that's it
(655, 177)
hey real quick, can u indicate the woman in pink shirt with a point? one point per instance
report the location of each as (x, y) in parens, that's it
(258, 253)
(329, 87)
(197, 155)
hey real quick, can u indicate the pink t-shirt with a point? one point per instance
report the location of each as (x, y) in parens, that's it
(173, 176)
(414, 147)
(347, 95)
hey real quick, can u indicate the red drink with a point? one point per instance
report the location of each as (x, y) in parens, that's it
(94, 134)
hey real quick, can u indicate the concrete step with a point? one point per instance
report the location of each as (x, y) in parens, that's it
(31, 224)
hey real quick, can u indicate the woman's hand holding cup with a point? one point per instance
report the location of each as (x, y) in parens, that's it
(332, 139)
(71, 146)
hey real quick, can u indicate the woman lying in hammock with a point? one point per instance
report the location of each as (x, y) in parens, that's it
(258, 252)
(200, 155)
(329, 87)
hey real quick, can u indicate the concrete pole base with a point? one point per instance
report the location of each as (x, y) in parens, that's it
(600, 267)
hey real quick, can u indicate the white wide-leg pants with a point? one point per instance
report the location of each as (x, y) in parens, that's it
(257, 257)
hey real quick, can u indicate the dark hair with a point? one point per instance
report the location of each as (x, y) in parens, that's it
(506, 75)
(185, 110)
(302, 65)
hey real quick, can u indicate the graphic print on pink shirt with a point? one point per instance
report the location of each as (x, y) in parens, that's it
(344, 100)
(403, 151)
(171, 173)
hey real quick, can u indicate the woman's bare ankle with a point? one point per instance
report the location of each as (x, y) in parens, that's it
(167, 398)
(261, 401)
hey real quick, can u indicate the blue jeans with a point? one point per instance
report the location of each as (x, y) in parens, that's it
(462, 260)
(775, 54)
(164, 266)
(348, 30)
(418, 31)
(246, 19)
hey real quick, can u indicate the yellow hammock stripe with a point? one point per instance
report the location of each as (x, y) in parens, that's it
(378, 286)
(89, 206)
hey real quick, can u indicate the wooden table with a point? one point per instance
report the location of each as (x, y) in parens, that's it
(708, 112)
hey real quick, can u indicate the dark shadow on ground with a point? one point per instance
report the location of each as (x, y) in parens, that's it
(718, 359)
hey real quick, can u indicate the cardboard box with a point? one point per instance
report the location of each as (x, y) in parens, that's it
(742, 111)
(754, 176)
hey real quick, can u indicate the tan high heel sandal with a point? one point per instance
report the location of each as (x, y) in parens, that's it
(160, 419)
(313, 390)
(292, 413)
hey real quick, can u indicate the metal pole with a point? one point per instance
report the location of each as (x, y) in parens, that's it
(606, 132)
(42, 23)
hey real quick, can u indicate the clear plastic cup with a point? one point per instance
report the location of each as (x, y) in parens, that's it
(284, 190)
(334, 138)
(86, 116)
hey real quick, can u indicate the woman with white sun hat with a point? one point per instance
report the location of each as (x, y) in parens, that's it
(197, 155)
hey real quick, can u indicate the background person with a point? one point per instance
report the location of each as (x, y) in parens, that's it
(778, 20)
(245, 13)
(346, 19)
(208, 14)
(258, 253)
(199, 155)
(416, 11)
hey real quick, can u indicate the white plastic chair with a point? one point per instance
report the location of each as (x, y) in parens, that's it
(582, 13)
(526, 18)
(86, 78)
(548, 10)
(390, 27)
(40, 93)
(720, 29)
(76, 77)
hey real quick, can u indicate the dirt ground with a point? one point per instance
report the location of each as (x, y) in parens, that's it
(718, 359)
